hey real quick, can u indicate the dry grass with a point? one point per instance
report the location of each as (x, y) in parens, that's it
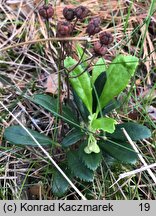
(24, 69)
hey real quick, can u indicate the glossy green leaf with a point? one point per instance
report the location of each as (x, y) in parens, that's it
(92, 160)
(97, 89)
(121, 151)
(18, 136)
(134, 130)
(78, 168)
(113, 104)
(80, 82)
(72, 137)
(98, 68)
(81, 107)
(49, 103)
(59, 184)
(105, 124)
(119, 73)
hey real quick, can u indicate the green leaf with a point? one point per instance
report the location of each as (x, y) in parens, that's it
(78, 168)
(81, 55)
(18, 136)
(49, 103)
(134, 130)
(109, 160)
(113, 104)
(92, 160)
(119, 73)
(5, 79)
(81, 107)
(121, 151)
(81, 83)
(97, 89)
(98, 68)
(105, 124)
(59, 184)
(72, 137)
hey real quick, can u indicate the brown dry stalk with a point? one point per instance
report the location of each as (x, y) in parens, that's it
(45, 40)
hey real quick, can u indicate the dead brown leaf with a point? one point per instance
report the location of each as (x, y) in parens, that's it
(52, 84)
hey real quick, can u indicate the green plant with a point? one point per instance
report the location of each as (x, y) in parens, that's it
(93, 134)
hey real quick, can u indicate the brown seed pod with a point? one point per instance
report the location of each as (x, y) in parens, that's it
(64, 29)
(99, 49)
(106, 38)
(68, 13)
(46, 11)
(94, 26)
(81, 12)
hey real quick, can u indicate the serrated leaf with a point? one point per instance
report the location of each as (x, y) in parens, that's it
(59, 184)
(105, 124)
(98, 68)
(92, 160)
(78, 168)
(119, 73)
(80, 82)
(121, 151)
(18, 136)
(97, 89)
(72, 137)
(49, 103)
(134, 130)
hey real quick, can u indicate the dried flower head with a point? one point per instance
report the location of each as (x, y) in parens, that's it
(46, 11)
(64, 29)
(106, 38)
(68, 13)
(99, 49)
(81, 12)
(94, 26)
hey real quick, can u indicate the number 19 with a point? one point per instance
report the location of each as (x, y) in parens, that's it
(144, 206)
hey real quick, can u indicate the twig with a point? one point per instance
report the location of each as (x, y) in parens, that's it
(8, 177)
(140, 156)
(145, 167)
(45, 40)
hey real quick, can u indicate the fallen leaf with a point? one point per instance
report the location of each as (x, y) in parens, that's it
(36, 191)
(52, 84)
(152, 112)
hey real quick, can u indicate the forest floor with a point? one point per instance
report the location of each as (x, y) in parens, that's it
(29, 65)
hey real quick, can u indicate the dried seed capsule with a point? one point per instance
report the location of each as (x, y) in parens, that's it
(64, 29)
(99, 49)
(68, 13)
(106, 38)
(81, 12)
(96, 21)
(46, 11)
(94, 26)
